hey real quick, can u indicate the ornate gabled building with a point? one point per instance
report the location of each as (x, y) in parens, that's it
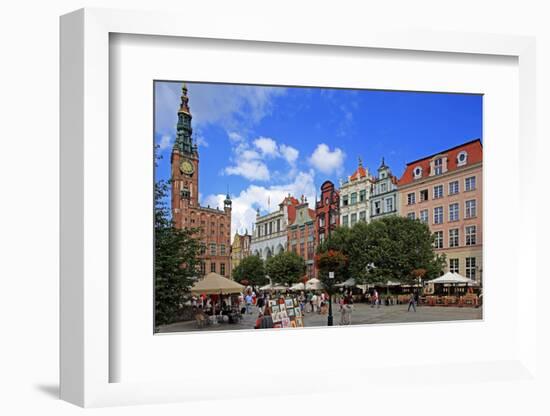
(326, 212)
(301, 235)
(214, 224)
(240, 248)
(270, 231)
(355, 193)
(444, 191)
(384, 196)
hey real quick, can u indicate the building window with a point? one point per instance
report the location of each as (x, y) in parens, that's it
(322, 220)
(389, 205)
(383, 187)
(438, 215)
(345, 201)
(453, 212)
(265, 228)
(462, 158)
(222, 269)
(213, 267)
(438, 165)
(411, 198)
(470, 235)
(417, 172)
(453, 265)
(353, 219)
(212, 249)
(470, 208)
(270, 228)
(423, 195)
(278, 225)
(471, 268)
(377, 208)
(453, 237)
(321, 237)
(353, 198)
(294, 248)
(363, 216)
(203, 268)
(333, 218)
(453, 187)
(222, 249)
(302, 249)
(362, 195)
(410, 215)
(470, 183)
(438, 239)
(424, 216)
(345, 220)
(438, 191)
(310, 249)
(202, 249)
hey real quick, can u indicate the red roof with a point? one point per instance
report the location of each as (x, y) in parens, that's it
(359, 173)
(473, 148)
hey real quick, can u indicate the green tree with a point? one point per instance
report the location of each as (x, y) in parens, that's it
(251, 268)
(331, 261)
(388, 248)
(176, 259)
(285, 268)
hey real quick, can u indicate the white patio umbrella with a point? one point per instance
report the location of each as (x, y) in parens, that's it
(297, 286)
(348, 283)
(314, 284)
(453, 278)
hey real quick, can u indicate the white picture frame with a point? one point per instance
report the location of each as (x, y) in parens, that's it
(86, 305)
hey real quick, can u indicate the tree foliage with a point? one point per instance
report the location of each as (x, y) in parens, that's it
(285, 268)
(331, 261)
(251, 268)
(393, 248)
(176, 259)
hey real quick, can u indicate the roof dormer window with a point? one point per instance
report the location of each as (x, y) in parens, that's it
(417, 172)
(462, 158)
(438, 166)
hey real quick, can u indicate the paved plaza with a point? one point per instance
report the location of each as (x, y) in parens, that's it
(362, 314)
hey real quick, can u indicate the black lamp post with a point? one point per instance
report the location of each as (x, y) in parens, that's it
(330, 320)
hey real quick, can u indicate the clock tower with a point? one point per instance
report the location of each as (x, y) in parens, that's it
(185, 164)
(212, 224)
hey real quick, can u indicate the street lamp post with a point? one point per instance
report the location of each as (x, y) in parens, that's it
(330, 318)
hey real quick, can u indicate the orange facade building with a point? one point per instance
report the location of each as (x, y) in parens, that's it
(444, 191)
(214, 224)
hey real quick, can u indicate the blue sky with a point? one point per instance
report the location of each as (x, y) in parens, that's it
(262, 143)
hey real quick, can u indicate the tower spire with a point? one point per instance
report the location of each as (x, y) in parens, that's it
(360, 161)
(184, 141)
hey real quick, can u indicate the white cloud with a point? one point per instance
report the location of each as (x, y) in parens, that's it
(201, 141)
(289, 153)
(326, 161)
(235, 137)
(165, 142)
(244, 206)
(249, 160)
(253, 170)
(267, 146)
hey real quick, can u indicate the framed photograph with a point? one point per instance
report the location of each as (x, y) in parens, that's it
(272, 303)
(122, 72)
(275, 308)
(290, 312)
(297, 312)
(289, 303)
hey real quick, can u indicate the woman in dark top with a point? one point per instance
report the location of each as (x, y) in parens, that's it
(267, 320)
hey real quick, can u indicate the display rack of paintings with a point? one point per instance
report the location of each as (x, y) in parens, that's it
(286, 313)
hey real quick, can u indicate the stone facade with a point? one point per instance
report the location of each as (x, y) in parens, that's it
(302, 236)
(384, 195)
(326, 211)
(214, 224)
(240, 248)
(355, 194)
(270, 232)
(445, 191)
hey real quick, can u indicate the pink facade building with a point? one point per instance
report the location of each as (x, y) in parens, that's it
(444, 191)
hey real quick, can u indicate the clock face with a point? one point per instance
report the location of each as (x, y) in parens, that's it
(187, 167)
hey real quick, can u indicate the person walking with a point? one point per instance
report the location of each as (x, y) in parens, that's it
(248, 302)
(412, 302)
